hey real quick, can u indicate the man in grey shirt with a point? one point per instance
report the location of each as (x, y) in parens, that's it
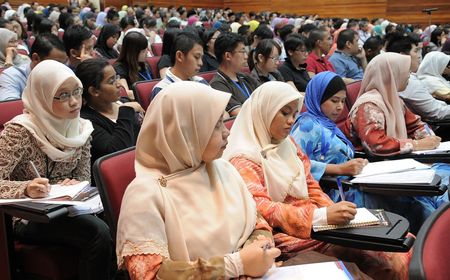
(416, 96)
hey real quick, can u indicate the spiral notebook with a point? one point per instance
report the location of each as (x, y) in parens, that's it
(362, 218)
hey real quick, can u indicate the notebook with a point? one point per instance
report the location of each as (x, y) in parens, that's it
(362, 218)
(413, 177)
(317, 271)
(390, 166)
(444, 147)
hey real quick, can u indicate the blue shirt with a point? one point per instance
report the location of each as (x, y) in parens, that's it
(13, 81)
(346, 66)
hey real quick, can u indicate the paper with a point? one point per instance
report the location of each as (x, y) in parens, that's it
(390, 166)
(12, 200)
(413, 177)
(90, 206)
(362, 218)
(316, 271)
(443, 147)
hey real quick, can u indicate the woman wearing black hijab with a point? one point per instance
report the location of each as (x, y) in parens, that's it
(106, 41)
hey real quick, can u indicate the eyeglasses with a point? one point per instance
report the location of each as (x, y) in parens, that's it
(113, 80)
(275, 59)
(65, 96)
(301, 50)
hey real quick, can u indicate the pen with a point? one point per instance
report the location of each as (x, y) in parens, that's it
(35, 169)
(345, 154)
(341, 189)
(428, 130)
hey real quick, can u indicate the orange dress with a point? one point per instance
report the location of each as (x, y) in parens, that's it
(292, 223)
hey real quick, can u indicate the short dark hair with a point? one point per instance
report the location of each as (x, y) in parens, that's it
(4, 22)
(45, 26)
(226, 42)
(373, 43)
(184, 42)
(400, 43)
(264, 48)
(207, 36)
(74, 36)
(316, 35)
(90, 73)
(285, 31)
(127, 20)
(65, 20)
(307, 28)
(148, 22)
(263, 32)
(45, 43)
(293, 42)
(111, 14)
(168, 39)
(435, 34)
(347, 35)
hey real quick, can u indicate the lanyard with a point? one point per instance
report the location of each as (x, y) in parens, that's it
(145, 75)
(243, 89)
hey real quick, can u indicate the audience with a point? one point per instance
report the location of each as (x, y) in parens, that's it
(186, 58)
(372, 47)
(190, 196)
(106, 41)
(79, 44)
(8, 50)
(231, 55)
(14, 79)
(433, 66)
(264, 60)
(349, 60)
(317, 60)
(277, 173)
(293, 69)
(165, 62)
(51, 134)
(116, 124)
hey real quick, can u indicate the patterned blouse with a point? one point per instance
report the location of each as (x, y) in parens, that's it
(18, 147)
(367, 130)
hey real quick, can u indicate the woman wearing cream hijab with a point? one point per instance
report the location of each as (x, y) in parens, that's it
(51, 134)
(278, 175)
(187, 213)
(434, 65)
(8, 49)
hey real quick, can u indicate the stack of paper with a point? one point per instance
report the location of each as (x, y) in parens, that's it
(316, 271)
(90, 206)
(413, 177)
(390, 166)
(442, 148)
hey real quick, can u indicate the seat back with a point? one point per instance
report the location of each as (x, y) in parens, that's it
(207, 75)
(157, 49)
(432, 249)
(229, 122)
(8, 110)
(143, 91)
(112, 174)
(153, 63)
(352, 93)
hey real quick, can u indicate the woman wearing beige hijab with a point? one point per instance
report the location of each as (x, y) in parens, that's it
(51, 134)
(8, 49)
(187, 213)
(277, 173)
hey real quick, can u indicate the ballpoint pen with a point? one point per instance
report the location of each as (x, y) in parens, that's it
(35, 169)
(345, 154)
(341, 189)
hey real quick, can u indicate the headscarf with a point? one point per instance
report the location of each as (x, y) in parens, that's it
(58, 138)
(284, 173)
(54, 16)
(9, 14)
(192, 20)
(100, 21)
(385, 74)
(431, 69)
(253, 25)
(314, 94)
(174, 191)
(108, 30)
(6, 36)
(88, 15)
(426, 35)
(20, 12)
(122, 14)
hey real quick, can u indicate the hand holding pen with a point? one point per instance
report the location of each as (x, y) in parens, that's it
(352, 166)
(258, 257)
(38, 187)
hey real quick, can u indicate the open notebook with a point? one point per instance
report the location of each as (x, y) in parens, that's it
(391, 166)
(444, 147)
(362, 218)
(412, 177)
(314, 271)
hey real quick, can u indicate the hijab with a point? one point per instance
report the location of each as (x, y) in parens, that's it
(108, 30)
(385, 74)
(174, 192)
(431, 69)
(100, 21)
(313, 99)
(250, 137)
(9, 14)
(58, 138)
(5, 37)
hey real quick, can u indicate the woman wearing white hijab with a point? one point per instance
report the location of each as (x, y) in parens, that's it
(278, 175)
(430, 72)
(8, 49)
(51, 134)
(187, 213)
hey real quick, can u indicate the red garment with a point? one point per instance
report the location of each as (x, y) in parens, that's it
(317, 64)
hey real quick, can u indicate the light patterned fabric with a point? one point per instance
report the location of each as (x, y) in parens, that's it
(430, 72)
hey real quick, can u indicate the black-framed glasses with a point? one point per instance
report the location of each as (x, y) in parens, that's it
(65, 96)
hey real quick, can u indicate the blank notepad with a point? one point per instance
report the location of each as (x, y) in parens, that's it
(362, 218)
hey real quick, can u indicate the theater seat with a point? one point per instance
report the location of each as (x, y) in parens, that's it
(207, 75)
(142, 92)
(352, 93)
(432, 247)
(112, 174)
(8, 110)
(153, 63)
(157, 49)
